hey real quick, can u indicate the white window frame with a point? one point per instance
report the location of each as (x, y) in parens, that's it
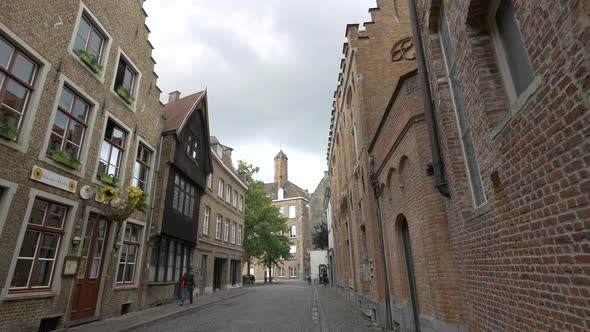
(218, 227)
(220, 188)
(292, 212)
(152, 150)
(241, 204)
(228, 193)
(293, 235)
(32, 106)
(516, 101)
(293, 252)
(240, 235)
(281, 272)
(210, 181)
(226, 230)
(107, 43)
(206, 217)
(8, 190)
(282, 211)
(87, 141)
(233, 233)
(234, 198)
(292, 272)
(127, 144)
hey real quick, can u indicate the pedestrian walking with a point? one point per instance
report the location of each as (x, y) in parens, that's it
(187, 285)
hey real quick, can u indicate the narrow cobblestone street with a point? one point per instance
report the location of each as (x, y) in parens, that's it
(279, 307)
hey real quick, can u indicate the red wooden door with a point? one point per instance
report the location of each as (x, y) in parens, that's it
(90, 269)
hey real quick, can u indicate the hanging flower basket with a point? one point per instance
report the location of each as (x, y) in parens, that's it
(119, 207)
(8, 132)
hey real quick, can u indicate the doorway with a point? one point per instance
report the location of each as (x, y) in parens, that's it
(218, 272)
(234, 272)
(410, 273)
(203, 275)
(89, 276)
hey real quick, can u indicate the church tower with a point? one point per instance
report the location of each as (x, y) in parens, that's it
(281, 168)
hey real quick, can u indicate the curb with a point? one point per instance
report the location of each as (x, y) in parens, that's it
(180, 312)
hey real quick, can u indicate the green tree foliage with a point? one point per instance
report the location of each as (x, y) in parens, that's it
(264, 226)
(320, 236)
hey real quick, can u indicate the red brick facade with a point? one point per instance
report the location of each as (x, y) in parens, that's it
(516, 256)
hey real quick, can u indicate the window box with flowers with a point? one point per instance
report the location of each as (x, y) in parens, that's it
(109, 179)
(65, 158)
(90, 61)
(8, 131)
(125, 95)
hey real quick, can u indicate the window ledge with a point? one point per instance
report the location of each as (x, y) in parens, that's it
(25, 296)
(517, 106)
(79, 172)
(478, 212)
(122, 287)
(161, 283)
(131, 107)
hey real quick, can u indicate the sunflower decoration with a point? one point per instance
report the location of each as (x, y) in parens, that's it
(108, 194)
(134, 192)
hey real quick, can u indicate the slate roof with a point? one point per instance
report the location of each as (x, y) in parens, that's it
(281, 154)
(176, 111)
(291, 190)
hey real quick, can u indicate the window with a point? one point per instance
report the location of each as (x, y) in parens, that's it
(141, 169)
(89, 39)
(292, 252)
(17, 73)
(170, 259)
(233, 233)
(226, 233)
(111, 151)
(462, 119)
(36, 259)
(281, 272)
(292, 213)
(192, 146)
(210, 181)
(511, 51)
(282, 211)
(183, 199)
(69, 125)
(241, 203)
(206, 221)
(228, 194)
(240, 235)
(125, 78)
(293, 232)
(218, 227)
(292, 272)
(129, 253)
(235, 198)
(220, 188)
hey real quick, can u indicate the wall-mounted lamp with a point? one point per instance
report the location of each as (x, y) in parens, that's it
(76, 240)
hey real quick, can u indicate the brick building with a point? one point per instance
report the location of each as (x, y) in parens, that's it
(219, 253)
(184, 164)
(293, 204)
(78, 99)
(491, 236)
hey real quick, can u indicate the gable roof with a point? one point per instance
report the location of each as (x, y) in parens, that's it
(176, 112)
(292, 190)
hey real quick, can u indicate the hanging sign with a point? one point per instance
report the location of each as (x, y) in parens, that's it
(53, 179)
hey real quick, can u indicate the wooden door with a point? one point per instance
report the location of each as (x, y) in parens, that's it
(90, 269)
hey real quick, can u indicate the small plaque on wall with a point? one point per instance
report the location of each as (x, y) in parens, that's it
(71, 266)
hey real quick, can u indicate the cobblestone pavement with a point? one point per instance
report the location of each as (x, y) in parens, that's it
(278, 307)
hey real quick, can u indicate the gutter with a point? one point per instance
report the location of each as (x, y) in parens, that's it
(436, 166)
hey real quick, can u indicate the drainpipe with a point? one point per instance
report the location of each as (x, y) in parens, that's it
(436, 166)
(377, 192)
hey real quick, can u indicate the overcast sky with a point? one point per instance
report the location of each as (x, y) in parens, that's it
(270, 68)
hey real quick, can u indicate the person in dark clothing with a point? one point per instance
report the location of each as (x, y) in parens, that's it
(187, 285)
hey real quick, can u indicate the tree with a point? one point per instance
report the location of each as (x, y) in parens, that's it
(319, 238)
(263, 224)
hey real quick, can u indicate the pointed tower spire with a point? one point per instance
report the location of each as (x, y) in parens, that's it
(281, 168)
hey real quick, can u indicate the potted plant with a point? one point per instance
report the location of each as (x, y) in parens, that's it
(65, 158)
(90, 61)
(109, 179)
(8, 131)
(125, 95)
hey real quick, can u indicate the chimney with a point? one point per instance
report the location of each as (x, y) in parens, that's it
(173, 96)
